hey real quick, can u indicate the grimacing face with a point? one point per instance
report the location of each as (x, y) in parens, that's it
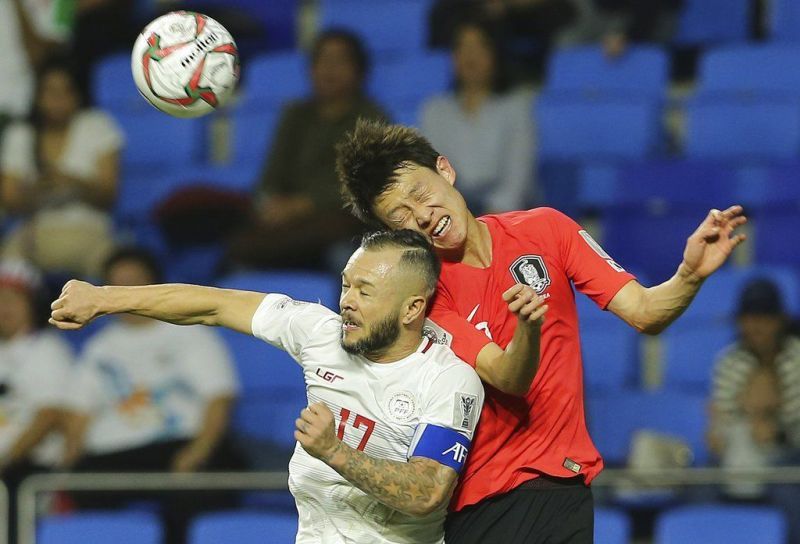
(425, 200)
(370, 301)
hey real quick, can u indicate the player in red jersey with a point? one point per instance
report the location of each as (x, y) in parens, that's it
(532, 460)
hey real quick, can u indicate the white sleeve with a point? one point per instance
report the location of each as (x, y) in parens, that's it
(288, 324)
(16, 152)
(206, 362)
(47, 371)
(455, 399)
(95, 135)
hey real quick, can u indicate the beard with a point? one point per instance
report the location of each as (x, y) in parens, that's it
(383, 334)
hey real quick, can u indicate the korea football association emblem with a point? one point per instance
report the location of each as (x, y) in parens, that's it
(530, 270)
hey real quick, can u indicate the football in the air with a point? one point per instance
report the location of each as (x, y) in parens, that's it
(185, 64)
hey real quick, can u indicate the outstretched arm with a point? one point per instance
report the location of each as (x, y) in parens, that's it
(651, 309)
(417, 487)
(81, 302)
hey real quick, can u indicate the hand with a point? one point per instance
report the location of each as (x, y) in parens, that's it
(188, 459)
(78, 304)
(315, 431)
(523, 302)
(713, 241)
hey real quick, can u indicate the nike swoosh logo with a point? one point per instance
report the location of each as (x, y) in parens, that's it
(473, 312)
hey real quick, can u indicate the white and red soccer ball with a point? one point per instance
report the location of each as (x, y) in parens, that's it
(185, 64)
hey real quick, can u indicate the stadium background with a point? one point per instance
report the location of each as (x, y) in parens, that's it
(638, 148)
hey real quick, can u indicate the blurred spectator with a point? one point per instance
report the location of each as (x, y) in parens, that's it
(755, 420)
(29, 31)
(34, 365)
(298, 214)
(481, 127)
(59, 172)
(150, 396)
(618, 23)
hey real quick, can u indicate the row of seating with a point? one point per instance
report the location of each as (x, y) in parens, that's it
(707, 523)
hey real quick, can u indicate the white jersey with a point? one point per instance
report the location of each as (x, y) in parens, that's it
(378, 409)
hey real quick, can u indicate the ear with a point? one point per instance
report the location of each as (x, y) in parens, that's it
(445, 169)
(414, 308)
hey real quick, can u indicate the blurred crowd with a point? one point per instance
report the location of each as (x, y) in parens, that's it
(140, 395)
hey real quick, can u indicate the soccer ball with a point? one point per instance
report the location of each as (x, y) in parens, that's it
(185, 64)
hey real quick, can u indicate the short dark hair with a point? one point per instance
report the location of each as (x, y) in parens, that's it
(417, 249)
(368, 158)
(358, 53)
(140, 256)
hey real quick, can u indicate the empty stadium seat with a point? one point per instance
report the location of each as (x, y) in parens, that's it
(758, 129)
(611, 526)
(112, 84)
(785, 20)
(775, 233)
(387, 28)
(751, 70)
(614, 417)
(243, 528)
(719, 524)
(275, 78)
(580, 129)
(690, 349)
(705, 22)
(100, 528)
(588, 71)
(676, 183)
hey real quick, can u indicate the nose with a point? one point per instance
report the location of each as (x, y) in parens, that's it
(347, 302)
(423, 216)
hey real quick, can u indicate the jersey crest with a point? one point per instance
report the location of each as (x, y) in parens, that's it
(530, 270)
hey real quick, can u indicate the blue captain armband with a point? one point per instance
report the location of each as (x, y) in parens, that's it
(442, 444)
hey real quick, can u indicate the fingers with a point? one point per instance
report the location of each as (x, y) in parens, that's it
(533, 312)
(57, 303)
(512, 292)
(65, 325)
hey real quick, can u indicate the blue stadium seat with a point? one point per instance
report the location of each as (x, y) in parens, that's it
(773, 234)
(579, 129)
(275, 78)
(650, 238)
(609, 348)
(781, 189)
(156, 142)
(611, 526)
(751, 71)
(706, 22)
(100, 528)
(112, 84)
(269, 416)
(402, 85)
(278, 19)
(677, 183)
(717, 300)
(588, 71)
(243, 528)
(614, 417)
(719, 524)
(387, 28)
(785, 20)
(758, 129)
(689, 349)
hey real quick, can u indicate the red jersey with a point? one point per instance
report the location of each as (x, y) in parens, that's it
(544, 431)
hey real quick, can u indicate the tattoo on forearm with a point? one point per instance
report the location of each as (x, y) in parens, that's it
(407, 487)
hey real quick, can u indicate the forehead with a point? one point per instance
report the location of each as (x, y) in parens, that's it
(410, 183)
(374, 265)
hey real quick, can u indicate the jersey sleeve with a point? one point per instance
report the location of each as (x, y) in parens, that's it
(288, 324)
(592, 270)
(449, 417)
(451, 329)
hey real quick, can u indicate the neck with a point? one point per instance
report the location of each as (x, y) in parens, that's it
(473, 97)
(478, 247)
(335, 108)
(406, 344)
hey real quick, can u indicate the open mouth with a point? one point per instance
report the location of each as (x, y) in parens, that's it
(441, 226)
(348, 325)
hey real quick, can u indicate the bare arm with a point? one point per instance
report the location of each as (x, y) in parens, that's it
(75, 425)
(81, 302)
(651, 309)
(512, 370)
(45, 421)
(37, 47)
(417, 488)
(212, 429)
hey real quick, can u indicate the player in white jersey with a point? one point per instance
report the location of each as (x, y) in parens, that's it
(391, 413)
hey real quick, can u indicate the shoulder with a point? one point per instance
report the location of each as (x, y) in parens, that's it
(449, 370)
(535, 217)
(297, 109)
(106, 339)
(369, 108)
(734, 356)
(95, 119)
(439, 106)
(52, 345)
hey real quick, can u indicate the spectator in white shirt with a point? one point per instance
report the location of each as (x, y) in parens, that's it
(485, 129)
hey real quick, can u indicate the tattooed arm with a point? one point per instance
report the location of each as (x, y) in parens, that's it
(417, 487)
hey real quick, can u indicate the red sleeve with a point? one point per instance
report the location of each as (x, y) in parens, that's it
(587, 265)
(463, 338)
